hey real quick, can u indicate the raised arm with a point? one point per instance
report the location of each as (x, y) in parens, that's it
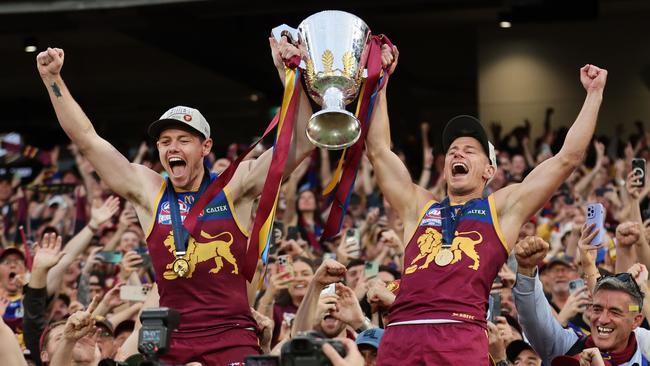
(250, 179)
(392, 175)
(583, 185)
(134, 182)
(10, 353)
(329, 272)
(516, 203)
(541, 328)
(78, 244)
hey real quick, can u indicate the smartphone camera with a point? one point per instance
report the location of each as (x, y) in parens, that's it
(638, 169)
(591, 212)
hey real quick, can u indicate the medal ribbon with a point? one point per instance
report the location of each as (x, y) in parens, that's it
(181, 235)
(451, 219)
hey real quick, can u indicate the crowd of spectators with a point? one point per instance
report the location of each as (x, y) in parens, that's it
(69, 246)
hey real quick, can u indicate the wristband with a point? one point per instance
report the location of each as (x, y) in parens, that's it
(365, 326)
(93, 229)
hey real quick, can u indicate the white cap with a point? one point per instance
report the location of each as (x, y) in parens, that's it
(181, 116)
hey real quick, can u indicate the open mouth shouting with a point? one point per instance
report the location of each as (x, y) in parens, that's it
(459, 169)
(177, 166)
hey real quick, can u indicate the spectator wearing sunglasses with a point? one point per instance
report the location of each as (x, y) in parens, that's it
(614, 314)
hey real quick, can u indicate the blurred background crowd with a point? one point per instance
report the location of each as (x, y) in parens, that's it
(66, 239)
(102, 247)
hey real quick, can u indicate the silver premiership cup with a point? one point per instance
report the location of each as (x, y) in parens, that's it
(334, 47)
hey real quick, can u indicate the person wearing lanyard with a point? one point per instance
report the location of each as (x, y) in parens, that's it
(455, 248)
(201, 277)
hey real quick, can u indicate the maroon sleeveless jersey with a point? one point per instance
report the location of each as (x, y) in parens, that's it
(456, 286)
(213, 294)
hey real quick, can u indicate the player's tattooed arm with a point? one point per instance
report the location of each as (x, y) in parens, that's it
(56, 90)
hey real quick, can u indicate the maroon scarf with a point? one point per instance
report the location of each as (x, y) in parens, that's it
(610, 358)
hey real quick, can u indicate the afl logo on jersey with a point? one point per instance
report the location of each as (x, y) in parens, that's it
(165, 216)
(432, 218)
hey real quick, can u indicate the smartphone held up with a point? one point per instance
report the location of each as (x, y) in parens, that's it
(596, 216)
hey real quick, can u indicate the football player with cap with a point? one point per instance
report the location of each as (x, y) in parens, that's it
(194, 282)
(455, 248)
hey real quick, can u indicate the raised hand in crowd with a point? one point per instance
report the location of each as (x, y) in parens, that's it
(628, 240)
(294, 249)
(277, 282)
(93, 261)
(575, 304)
(79, 243)
(127, 219)
(496, 344)
(48, 254)
(81, 323)
(505, 331)
(348, 309)
(379, 296)
(591, 357)
(265, 330)
(588, 254)
(330, 271)
(347, 250)
(131, 262)
(529, 252)
(327, 304)
(110, 301)
(79, 330)
(352, 358)
(640, 274)
(507, 276)
(628, 233)
(143, 149)
(101, 214)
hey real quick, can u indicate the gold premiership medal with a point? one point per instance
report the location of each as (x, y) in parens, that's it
(444, 257)
(181, 267)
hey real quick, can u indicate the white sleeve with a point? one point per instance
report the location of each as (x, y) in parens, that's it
(643, 340)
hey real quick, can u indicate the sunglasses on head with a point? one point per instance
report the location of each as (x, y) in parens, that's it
(623, 277)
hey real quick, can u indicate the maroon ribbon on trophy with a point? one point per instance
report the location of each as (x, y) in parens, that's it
(263, 225)
(375, 81)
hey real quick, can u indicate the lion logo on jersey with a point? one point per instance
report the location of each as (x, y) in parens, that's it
(463, 244)
(429, 244)
(199, 252)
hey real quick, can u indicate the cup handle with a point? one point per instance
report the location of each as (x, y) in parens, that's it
(287, 31)
(292, 37)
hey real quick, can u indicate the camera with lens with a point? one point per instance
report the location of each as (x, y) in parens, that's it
(304, 350)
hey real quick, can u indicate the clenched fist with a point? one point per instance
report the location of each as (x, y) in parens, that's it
(628, 233)
(389, 56)
(593, 78)
(50, 62)
(530, 251)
